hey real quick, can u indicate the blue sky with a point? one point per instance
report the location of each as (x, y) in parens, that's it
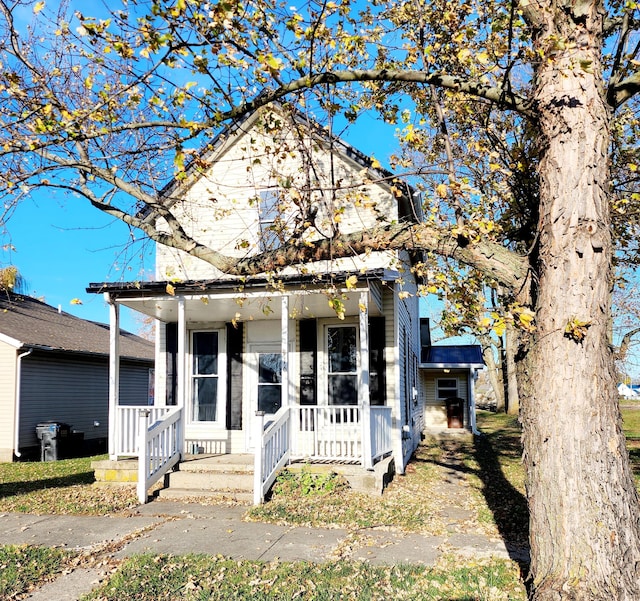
(63, 244)
(60, 243)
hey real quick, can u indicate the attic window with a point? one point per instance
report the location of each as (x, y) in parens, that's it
(268, 216)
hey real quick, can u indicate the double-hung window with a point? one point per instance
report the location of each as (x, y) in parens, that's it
(268, 214)
(447, 388)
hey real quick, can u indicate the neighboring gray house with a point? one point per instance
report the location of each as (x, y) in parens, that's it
(55, 367)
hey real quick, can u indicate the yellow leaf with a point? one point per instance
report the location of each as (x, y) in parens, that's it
(170, 290)
(38, 7)
(441, 190)
(351, 282)
(375, 163)
(464, 54)
(74, 301)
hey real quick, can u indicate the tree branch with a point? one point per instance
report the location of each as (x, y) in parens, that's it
(503, 98)
(624, 90)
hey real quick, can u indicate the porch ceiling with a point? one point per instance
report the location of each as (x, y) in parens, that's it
(250, 306)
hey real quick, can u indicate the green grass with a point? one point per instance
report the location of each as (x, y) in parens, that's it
(200, 577)
(59, 487)
(23, 568)
(631, 426)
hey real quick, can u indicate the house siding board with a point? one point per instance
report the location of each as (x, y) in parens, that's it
(75, 392)
(8, 360)
(435, 410)
(225, 197)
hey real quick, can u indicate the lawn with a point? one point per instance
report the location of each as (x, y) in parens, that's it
(200, 577)
(631, 426)
(23, 568)
(59, 487)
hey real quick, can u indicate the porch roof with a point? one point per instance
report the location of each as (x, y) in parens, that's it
(459, 356)
(249, 299)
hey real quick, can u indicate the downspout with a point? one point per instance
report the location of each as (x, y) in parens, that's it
(16, 428)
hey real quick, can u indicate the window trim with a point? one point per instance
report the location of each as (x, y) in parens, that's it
(439, 397)
(325, 400)
(221, 400)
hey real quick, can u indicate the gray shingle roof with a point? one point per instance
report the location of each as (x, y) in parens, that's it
(465, 354)
(35, 324)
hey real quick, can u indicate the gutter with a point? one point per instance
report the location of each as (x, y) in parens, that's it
(16, 426)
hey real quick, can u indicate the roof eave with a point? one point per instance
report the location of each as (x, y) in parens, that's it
(451, 365)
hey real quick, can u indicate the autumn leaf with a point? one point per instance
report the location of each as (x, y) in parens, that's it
(351, 282)
(38, 7)
(170, 290)
(74, 301)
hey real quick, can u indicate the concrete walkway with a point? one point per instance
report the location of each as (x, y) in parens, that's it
(179, 528)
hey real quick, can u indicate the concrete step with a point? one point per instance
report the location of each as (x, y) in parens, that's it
(222, 495)
(210, 480)
(218, 463)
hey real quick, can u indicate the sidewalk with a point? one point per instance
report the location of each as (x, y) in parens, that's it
(180, 528)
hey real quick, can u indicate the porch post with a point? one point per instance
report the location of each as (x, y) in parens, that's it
(363, 389)
(181, 387)
(114, 375)
(284, 322)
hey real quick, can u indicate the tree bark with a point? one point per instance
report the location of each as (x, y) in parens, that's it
(510, 350)
(494, 369)
(584, 512)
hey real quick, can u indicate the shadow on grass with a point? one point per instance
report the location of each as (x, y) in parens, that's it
(506, 503)
(10, 489)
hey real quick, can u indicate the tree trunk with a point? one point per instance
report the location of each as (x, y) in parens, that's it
(510, 350)
(584, 512)
(494, 369)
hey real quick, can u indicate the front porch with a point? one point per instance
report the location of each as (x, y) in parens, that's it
(354, 436)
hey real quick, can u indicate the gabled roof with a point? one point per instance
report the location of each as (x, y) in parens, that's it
(452, 356)
(408, 206)
(28, 323)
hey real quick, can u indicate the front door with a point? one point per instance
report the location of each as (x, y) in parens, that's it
(265, 383)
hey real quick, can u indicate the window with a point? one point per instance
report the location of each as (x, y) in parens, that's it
(204, 407)
(269, 382)
(447, 388)
(342, 368)
(269, 214)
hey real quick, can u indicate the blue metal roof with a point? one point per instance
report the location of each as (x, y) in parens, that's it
(463, 354)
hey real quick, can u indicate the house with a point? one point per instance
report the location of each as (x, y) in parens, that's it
(55, 367)
(447, 376)
(317, 362)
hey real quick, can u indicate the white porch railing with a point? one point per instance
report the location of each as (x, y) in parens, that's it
(328, 433)
(126, 434)
(159, 447)
(272, 451)
(380, 428)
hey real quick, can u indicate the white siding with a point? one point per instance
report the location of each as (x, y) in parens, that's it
(8, 359)
(219, 208)
(435, 410)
